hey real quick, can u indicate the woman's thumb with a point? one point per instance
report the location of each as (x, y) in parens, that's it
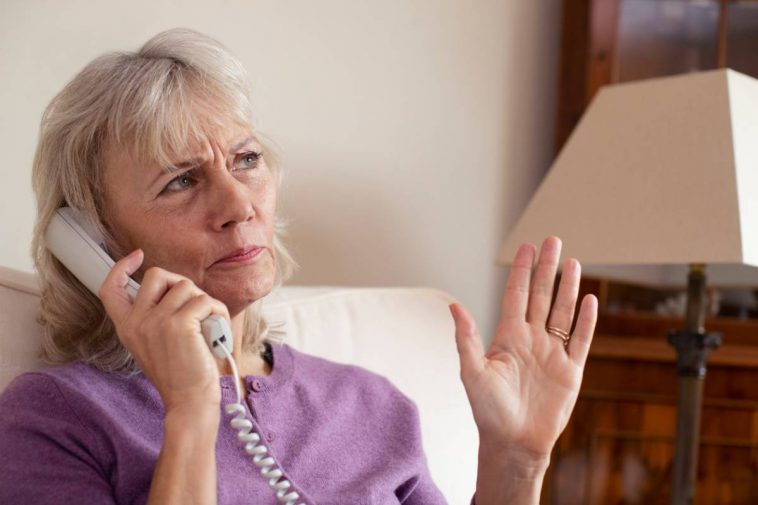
(467, 340)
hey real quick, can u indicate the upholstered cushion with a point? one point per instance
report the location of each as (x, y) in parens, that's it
(19, 333)
(405, 334)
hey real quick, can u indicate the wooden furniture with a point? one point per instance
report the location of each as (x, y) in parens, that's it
(618, 446)
(606, 41)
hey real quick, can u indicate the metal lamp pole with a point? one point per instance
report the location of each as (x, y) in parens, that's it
(692, 346)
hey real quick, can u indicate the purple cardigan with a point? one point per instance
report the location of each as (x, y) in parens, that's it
(341, 434)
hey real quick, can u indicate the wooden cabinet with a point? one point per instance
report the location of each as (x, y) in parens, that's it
(618, 446)
(607, 41)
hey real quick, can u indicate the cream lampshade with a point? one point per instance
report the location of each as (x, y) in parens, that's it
(660, 175)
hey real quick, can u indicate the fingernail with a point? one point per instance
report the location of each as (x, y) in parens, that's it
(134, 260)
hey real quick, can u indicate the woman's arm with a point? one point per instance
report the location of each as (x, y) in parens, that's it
(523, 388)
(161, 329)
(504, 477)
(46, 452)
(186, 469)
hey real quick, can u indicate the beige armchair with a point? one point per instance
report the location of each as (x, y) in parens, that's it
(405, 334)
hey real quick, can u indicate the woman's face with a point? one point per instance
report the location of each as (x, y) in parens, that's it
(219, 202)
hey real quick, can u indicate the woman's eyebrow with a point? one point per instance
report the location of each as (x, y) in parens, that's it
(175, 167)
(238, 145)
(199, 160)
(190, 163)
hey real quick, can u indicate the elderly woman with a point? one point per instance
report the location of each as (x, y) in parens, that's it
(157, 149)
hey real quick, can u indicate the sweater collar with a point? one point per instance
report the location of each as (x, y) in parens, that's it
(281, 371)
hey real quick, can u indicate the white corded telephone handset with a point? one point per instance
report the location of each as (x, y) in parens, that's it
(76, 242)
(79, 246)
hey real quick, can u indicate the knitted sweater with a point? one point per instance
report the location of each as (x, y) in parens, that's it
(341, 435)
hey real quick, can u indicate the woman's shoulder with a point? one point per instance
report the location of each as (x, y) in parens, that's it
(350, 406)
(74, 388)
(348, 379)
(48, 381)
(329, 368)
(47, 401)
(74, 376)
(59, 427)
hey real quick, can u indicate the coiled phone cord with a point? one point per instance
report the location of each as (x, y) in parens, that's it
(253, 447)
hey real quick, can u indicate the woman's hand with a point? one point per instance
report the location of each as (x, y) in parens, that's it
(161, 329)
(523, 389)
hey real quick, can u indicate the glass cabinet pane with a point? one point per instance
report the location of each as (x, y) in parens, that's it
(665, 37)
(742, 37)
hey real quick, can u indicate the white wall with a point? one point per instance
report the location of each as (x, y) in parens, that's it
(413, 131)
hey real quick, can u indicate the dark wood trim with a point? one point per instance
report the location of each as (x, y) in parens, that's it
(643, 348)
(662, 399)
(722, 33)
(572, 81)
(743, 443)
(603, 31)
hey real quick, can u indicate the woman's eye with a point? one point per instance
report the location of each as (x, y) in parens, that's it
(248, 160)
(179, 183)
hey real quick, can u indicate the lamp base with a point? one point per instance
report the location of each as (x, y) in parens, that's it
(692, 349)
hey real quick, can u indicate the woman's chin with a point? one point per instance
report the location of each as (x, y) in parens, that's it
(236, 307)
(239, 289)
(238, 297)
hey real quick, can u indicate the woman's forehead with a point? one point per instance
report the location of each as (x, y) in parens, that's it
(171, 153)
(228, 138)
(202, 150)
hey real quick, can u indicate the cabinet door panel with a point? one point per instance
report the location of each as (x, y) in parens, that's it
(658, 38)
(619, 446)
(742, 37)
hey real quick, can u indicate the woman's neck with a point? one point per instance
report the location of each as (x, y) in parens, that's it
(249, 359)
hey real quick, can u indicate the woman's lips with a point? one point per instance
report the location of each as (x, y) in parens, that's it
(246, 256)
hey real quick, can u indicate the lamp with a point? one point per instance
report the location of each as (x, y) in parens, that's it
(659, 174)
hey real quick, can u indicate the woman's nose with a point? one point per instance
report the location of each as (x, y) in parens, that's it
(231, 203)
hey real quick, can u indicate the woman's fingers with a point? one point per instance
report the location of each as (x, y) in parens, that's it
(528, 298)
(155, 283)
(579, 346)
(516, 297)
(176, 297)
(467, 340)
(562, 313)
(162, 294)
(113, 290)
(541, 292)
(201, 306)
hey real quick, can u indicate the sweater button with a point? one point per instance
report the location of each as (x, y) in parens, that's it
(257, 385)
(270, 436)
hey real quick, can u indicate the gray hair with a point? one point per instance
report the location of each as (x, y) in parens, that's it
(145, 103)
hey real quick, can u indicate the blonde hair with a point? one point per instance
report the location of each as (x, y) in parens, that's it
(178, 87)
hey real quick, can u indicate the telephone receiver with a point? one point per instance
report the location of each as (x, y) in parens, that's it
(76, 242)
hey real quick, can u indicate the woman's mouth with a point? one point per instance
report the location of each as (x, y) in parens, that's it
(246, 255)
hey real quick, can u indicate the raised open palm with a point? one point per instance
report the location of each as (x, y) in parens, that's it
(523, 388)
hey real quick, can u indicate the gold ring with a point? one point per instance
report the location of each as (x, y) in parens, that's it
(563, 335)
